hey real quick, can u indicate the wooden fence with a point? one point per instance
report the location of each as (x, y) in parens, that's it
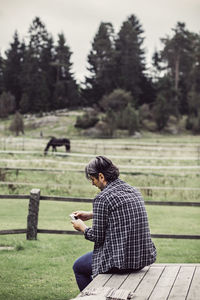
(33, 211)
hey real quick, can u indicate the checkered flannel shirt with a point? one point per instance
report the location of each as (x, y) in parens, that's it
(120, 230)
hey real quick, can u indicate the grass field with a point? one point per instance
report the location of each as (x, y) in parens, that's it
(42, 269)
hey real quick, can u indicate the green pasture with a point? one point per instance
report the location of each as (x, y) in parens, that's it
(42, 269)
(71, 183)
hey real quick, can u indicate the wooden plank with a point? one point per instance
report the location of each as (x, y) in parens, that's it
(55, 231)
(156, 282)
(99, 281)
(116, 280)
(12, 231)
(165, 283)
(14, 196)
(177, 264)
(82, 171)
(67, 199)
(195, 237)
(90, 200)
(194, 290)
(148, 283)
(78, 185)
(175, 236)
(133, 279)
(172, 203)
(182, 283)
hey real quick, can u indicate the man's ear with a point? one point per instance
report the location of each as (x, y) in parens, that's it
(101, 177)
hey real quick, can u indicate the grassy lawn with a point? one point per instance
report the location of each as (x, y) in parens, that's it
(42, 269)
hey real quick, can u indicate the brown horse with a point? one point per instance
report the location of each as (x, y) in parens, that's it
(54, 142)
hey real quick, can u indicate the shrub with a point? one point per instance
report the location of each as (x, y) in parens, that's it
(119, 112)
(130, 119)
(144, 113)
(193, 123)
(116, 101)
(7, 104)
(110, 123)
(86, 121)
(161, 111)
(17, 124)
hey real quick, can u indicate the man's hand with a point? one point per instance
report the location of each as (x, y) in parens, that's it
(83, 215)
(79, 225)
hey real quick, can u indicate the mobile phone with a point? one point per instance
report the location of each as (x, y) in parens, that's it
(73, 217)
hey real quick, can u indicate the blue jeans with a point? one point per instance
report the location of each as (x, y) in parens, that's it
(83, 270)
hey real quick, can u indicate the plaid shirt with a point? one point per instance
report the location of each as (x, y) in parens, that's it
(120, 230)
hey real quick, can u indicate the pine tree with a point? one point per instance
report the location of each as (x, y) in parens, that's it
(24, 104)
(66, 91)
(164, 103)
(177, 59)
(48, 70)
(130, 57)
(1, 74)
(161, 111)
(101, 65)
(193, 121)
(13, 69)
(7, 104)
(35, 83)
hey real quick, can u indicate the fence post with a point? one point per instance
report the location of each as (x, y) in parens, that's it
(32, 219)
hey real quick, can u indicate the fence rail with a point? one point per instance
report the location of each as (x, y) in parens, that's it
(18, 169)
(90, 200)
(142, 188)
(72, 154)
(124, 146)
(32, 219)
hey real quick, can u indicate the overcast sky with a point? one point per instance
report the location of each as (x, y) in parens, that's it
(79, 21)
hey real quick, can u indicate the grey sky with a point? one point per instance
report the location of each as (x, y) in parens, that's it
(79, 21)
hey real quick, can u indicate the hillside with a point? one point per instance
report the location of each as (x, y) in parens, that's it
(61, 123)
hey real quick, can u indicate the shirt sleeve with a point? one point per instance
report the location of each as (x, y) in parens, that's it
(100, 219)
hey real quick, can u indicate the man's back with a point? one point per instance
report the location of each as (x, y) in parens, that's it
(120, 219)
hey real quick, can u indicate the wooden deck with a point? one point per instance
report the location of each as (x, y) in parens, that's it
(159, 281)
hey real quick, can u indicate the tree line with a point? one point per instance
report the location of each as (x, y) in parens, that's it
(36, 74)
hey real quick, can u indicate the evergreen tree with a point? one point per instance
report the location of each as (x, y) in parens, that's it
(130, 57)
(193, 121)
(177, 59)
(48, 70)
(66, 90)
(24, 104)
(1, 74)
(164, 104)
(101, 65)
(35, 83)
(7, 104)
(13, 68)
(130, 119)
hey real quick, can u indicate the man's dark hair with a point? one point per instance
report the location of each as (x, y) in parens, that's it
(103, 165)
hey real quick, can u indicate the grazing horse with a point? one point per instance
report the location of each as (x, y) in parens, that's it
(54, 142)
